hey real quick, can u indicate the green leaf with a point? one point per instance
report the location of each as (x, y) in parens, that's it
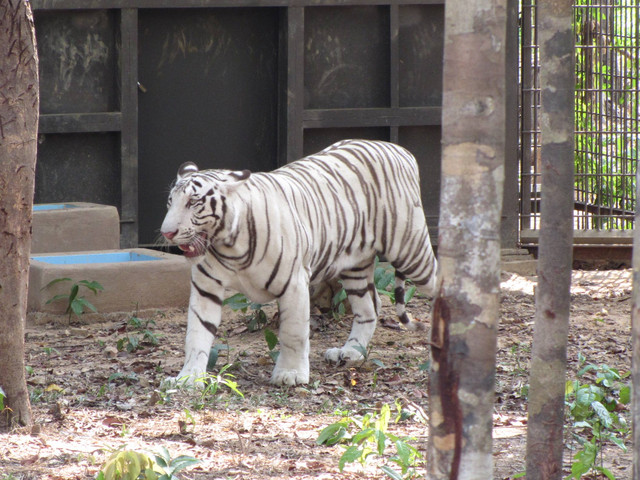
(74, 293)
(86, 303)
(404, 452)
(213, 359)
(271, 338)
(93, 285)
(625, 395)
(602, 413)
(237, 302)
(362, 350)
(182, 462)
(381, 441)
(57, 280)
(350, 455)
(409, 293)
(77, 307)
(606, 472)
(332, 434)
(391, 473)
(339, 297)
(619, 442)
(363, 436)
(378, 363)
(62, 296)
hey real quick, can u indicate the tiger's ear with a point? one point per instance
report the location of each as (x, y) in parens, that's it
(239, 175)
(186, 169)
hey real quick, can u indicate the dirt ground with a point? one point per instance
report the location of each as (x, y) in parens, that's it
(89, 398)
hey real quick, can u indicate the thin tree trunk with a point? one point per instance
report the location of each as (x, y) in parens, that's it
(465, 318)
(19, 103)
(549, 351)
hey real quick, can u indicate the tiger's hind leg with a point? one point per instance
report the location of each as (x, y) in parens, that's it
(365, 305)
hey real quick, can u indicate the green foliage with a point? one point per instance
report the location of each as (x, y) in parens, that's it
(371, 437)
(593, 406)
(606, 151)
(211, 385)
(132, 465)
(384, 278)
(2, 398)
(272, 341)
(169, 467)
(214, 354)
(338, 307)
(76, 304)
(257, 317)
(140, 336)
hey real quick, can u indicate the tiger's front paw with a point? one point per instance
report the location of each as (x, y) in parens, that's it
(343, 355)
(289, 377)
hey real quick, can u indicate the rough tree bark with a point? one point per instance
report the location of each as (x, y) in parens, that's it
(465, 318)
(549, 351)
(19, 103)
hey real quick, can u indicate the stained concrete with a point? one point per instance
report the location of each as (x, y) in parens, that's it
(128, 286)
(79, 226)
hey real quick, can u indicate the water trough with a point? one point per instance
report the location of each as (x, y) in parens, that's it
(136, 278)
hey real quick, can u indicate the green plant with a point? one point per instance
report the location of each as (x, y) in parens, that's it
(132, 465)
(593, 407)
(338, 307)
(212, 383)
(76, 304)
(214, 354)
(141, 335)
(272, 341)
(257, 317)
(384, 278)
(371, 436)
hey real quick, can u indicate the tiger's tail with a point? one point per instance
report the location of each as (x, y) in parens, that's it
(428, 288)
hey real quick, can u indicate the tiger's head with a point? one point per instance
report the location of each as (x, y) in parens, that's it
(198, 212)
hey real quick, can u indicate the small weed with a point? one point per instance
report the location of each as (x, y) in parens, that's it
(76, 304)
(140, 336)
(338, 306)
(593, 407)
(189, 421)
(371, 437)
(130, 464)
(272, 341)
(384, 278)
(213, 383)
(214, 354)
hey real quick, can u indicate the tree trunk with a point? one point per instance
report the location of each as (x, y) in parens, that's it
(19, 103)
(465, 318)
(549, 351)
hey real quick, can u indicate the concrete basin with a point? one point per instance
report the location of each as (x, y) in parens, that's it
(136, 278)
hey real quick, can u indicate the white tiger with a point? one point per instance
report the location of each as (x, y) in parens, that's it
(273, 235)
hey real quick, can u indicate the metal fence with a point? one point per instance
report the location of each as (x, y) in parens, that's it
(607, 51)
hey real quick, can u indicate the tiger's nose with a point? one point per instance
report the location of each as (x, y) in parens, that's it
(169, 235)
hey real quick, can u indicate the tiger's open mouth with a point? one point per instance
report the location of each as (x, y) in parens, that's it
(197, 246)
